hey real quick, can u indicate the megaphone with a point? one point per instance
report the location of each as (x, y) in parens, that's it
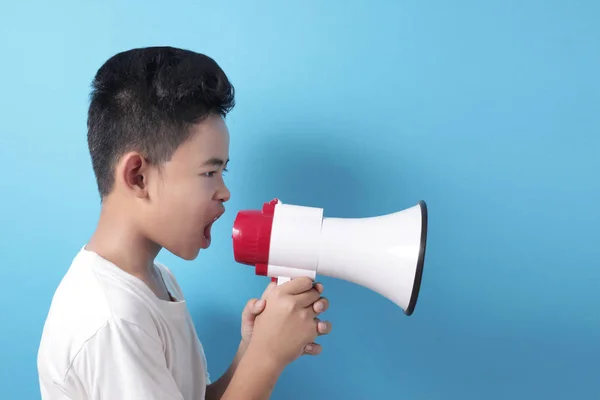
(384, 254)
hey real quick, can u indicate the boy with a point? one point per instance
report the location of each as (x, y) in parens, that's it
(118, 326)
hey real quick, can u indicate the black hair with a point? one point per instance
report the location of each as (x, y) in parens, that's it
(146, 99)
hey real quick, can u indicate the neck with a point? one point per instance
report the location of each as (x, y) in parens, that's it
(118, 239)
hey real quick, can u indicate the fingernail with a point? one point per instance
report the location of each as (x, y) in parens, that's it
(322, 326)
(319, 306)
(259, 303)
(308, 347)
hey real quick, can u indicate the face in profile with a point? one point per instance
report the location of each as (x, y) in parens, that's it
(186, 195)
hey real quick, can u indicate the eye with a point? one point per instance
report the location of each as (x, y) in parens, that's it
(210, 174)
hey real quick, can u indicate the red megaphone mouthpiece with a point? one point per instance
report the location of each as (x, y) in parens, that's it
(252, 234)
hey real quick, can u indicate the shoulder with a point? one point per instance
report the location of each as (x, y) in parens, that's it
(77, 310)
(120, 338)
(94, 302)
(120, 359)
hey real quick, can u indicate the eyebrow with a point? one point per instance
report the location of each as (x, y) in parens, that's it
(216, 161)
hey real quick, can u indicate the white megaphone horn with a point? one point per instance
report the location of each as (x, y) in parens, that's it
(385, 253)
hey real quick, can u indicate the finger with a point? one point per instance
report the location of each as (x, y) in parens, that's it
(321, 305)
(312, 349)
(323, 327)
(319, 287)
(308, 298)
(269, 289)
(298, 285)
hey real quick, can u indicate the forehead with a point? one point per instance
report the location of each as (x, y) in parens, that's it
(209, 139)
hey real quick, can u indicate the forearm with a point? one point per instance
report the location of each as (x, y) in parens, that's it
(215, 390)
(254, 378)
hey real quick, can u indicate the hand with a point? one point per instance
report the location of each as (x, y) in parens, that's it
(288, 323)
(256, 306)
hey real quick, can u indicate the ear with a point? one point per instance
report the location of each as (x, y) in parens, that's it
(134, 174)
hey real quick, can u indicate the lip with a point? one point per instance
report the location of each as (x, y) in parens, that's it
(218, 215)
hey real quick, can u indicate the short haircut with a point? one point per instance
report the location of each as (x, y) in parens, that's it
(146, 100)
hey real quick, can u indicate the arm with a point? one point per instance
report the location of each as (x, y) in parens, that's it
(253, 308)
(254, 378)
(215, 390)
(250, 377)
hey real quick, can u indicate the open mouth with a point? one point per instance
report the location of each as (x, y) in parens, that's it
(207, 228)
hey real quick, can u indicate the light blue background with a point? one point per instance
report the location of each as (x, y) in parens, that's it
(489, 111)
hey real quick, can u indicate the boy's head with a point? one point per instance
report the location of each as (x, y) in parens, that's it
(159, 144)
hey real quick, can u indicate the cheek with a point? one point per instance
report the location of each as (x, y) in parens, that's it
(206, 188)
(186, 191)
(192, 200)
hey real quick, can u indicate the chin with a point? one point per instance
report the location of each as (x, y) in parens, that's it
(188, 254)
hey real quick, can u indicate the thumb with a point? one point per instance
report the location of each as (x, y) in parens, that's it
(258, 306)
(253, 308)
(269, 289)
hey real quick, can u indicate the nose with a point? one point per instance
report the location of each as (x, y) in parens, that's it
(223, 194)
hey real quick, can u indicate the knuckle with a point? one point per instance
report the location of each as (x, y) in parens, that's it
(289, 305)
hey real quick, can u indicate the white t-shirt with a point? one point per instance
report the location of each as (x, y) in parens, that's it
(107, 336)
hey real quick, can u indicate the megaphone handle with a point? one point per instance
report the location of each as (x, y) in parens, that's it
(282, 279)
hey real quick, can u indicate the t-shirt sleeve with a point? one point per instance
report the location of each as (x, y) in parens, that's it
(122, 361)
